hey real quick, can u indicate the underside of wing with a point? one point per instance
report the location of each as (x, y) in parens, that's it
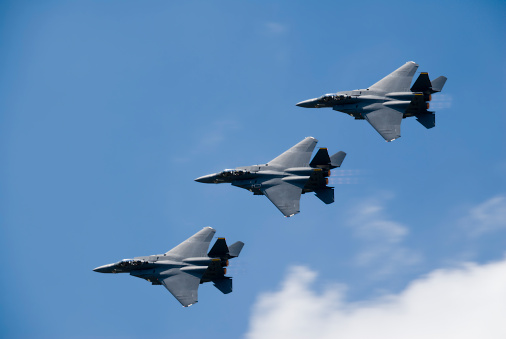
(297, 156)
(286, 197)
(194, 246)
(183, 286)
(386, 121)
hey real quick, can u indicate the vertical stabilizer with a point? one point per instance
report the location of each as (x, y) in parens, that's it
(219, 249)
(321, 158)
(235, 249)
(422, 83)
(438, 83)
(337, 159)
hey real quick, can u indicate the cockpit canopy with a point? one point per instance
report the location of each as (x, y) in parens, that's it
(232, 173)
(129, 262)
(333, 97)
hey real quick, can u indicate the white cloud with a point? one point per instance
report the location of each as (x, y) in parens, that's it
(381, 238)
(487, 217)
(466, 303)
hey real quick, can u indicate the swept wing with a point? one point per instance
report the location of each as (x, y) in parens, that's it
(183, 286)
(297, 156)
(397, 81)
(194, 246)
(285, 196)
(386, 121)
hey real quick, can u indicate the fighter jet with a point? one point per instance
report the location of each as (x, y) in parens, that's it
(388, 101)
(286, 177)
(184, 267)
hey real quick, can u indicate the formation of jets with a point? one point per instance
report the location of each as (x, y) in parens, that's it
(284, 179)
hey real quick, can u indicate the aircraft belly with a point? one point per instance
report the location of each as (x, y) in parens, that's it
(400, 106)
(348, 108)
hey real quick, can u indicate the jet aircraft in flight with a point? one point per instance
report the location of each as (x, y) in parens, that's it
(283, 179)
(184, 267)
(388, 101)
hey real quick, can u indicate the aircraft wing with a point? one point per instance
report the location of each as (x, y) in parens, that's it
(397, 81)
(183, 286)
(386, 121)
(194, 246)
(286, 197)
(297, 156)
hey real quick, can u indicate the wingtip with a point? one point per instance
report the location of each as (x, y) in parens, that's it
(291, 215)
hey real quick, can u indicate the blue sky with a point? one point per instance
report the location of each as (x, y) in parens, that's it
(109, 110)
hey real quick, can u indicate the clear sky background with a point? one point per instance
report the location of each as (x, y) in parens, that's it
(110, 109)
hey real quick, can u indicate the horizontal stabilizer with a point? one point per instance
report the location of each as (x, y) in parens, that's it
(235, 249)
(427, 120)
(220, 249)
(326, 195)
(337, 159)
(422, 83)
(224, 285)
(438, 83)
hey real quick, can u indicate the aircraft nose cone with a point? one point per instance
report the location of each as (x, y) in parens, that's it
(311, 103)
(98, 269)
(103, 269)
(206, 179)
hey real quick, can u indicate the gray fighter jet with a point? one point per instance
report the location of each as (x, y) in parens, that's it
(286, 177)
(388, 101)
(184, 267)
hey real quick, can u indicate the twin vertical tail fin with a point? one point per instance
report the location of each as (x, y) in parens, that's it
(337, 159)
(221, 250)
(325, 162)
(224, 252)
(427, 87)
(423, 84)
(438, 83)
(322, 159)
(235, 249)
